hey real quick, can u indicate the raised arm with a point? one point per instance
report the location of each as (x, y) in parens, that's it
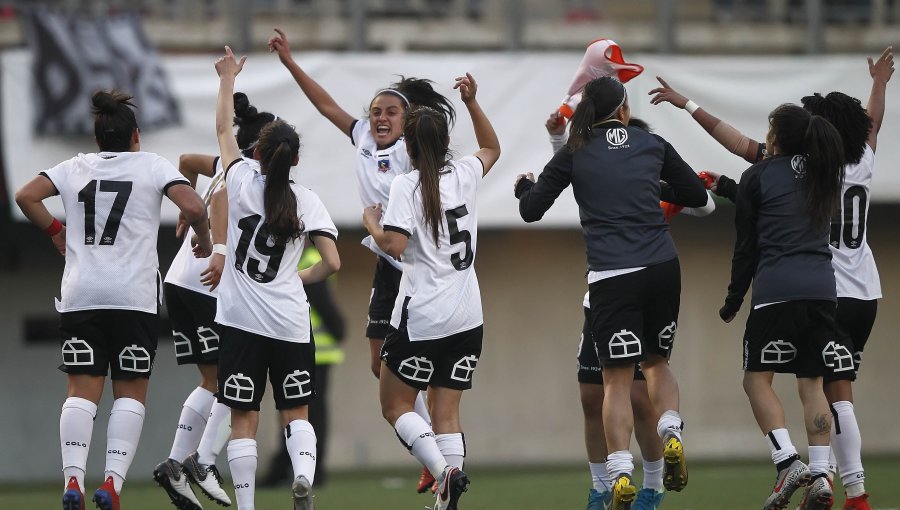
(489, 146)
(228, 68)
(313, 91)
(881, 71)
(556, 128)
(736, 142)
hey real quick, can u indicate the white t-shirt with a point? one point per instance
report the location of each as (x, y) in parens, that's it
(440, 281)
(185, 269)
(112, 202)
(854, 264)
(260, 291)
(376, 169)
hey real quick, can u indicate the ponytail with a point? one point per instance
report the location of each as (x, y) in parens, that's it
(426, 133)
(600, 100)
(114, 120)
(278, 145)
(249, 122)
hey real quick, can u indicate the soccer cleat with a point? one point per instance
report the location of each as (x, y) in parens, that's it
(168, 474)
(426, 481)
(788, 481)
(819, 494)
(207, 478)
(647, 499)
(857, 503)
(106, 497)
(301, 490)
(452, 484)
(73, 498)
(675, 473)
(623, 493)
(598, 500)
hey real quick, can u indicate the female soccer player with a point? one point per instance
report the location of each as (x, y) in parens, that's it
(784, 206)
(108, 309)
(380, 157)
(634, 279)
(858, 286)
(192, 310)
(262, 305)
(431, 224)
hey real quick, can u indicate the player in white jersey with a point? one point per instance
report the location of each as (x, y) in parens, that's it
(262, 305)
(856, 275)
(204, 424)
(431, 225)
(380, 156)
(109, 301)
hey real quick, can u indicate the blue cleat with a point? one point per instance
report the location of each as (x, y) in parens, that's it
(598, 500)
(648, 499)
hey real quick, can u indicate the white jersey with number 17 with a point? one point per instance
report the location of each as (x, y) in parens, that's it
(112, 202)
(439, 290)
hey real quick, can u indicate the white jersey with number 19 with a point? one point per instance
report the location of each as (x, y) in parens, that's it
(112, 202)
(439, 289)
(260, 291)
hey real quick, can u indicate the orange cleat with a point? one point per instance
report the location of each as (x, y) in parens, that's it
(426, 481)
(73, 498)
(857, 503)
(106, 497)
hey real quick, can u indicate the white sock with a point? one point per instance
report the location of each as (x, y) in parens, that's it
(453, 448)
(122, 435)
(242, 458)
(600, 477)
(832, 461)
(419, 439)
(300, 441)
(780, 444)
(76, 425)
(653, 474)
(422, 407)
(846, 442)
(669, 421)
(192, 423)
(619, 463)
(818, 459)
(216, 434)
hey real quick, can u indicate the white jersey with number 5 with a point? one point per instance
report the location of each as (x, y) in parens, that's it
(260, 291)
(112, 202)
(439, 290)
(853, 261)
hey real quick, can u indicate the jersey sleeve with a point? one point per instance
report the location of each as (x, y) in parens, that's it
(235, 173)
(400, 215)
(746, 253)
(58, 174)
(165, 175)
(316, 220)
(472, 167)
(535, 198)
(357, 130)
(685, 188)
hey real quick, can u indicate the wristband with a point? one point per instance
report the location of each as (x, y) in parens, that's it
(54, 228)
(220, 249)
(691, 107)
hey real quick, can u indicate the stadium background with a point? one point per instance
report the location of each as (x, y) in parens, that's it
(739, 59)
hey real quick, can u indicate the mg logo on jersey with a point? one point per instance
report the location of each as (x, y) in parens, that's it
(416, 369)
(209, 339)
(667, 336)
(464, 368)
(182, 345)
(239, 387)
(617, 136)
(837, 357)
(77, 352)
(778, 351)
(297, 384)
(798, 164)
(135, 359)
(624, 344)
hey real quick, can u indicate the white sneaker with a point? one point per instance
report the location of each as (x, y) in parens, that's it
(301, 489)
(453, 482)
(789, 480)
(169, 476)
(207, 478)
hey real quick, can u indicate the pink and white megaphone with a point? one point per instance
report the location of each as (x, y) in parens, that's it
(602, 57)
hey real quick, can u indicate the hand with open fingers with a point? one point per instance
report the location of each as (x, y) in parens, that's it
(279, 44)
(228, 65)
(467, 87)
(59, 241)
(213, 273)
(556, 124)
(882, 69)
(372, 216)
(666, 94)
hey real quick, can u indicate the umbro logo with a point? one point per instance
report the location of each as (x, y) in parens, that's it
(366, 153)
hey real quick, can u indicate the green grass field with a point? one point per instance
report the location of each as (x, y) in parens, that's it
(712, 487)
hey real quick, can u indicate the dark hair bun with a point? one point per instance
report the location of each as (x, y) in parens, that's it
(109, 102)
(244, 112)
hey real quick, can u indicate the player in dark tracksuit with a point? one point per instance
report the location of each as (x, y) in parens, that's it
(634, 276)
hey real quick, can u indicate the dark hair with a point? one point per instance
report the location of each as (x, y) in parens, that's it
(640, 124)
(114, 120)
(799, 133)
(249, 122)
(427, 135)
(601, 99)
(848, 116)
(415, 92)
(278, 144)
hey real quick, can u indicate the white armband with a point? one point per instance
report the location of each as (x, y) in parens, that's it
(691, 107)
(220, 249)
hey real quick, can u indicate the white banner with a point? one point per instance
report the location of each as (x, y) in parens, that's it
(518, 92)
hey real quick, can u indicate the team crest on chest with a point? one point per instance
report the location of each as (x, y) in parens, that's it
(384, 165)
